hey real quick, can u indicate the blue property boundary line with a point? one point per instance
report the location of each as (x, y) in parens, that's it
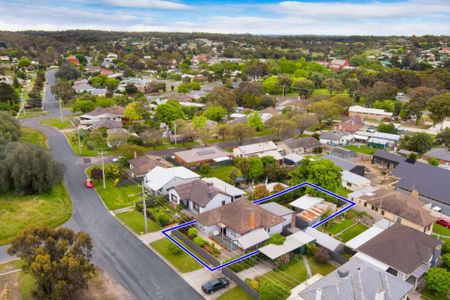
(290, 189)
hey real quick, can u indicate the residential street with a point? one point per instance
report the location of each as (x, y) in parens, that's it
(116, 250)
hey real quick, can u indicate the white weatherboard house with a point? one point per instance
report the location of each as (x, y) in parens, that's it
(354, 182)
(259, 149)
(226, 188)
(159, 180)
(198, 196)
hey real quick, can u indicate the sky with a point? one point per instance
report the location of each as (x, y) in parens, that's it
(320, 17)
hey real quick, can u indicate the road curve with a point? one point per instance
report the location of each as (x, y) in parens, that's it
(116, 250)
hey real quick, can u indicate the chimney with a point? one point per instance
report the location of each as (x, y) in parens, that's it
(318, 294)
(252, 221)
(415, 194)
(342, 273)
(380, 295)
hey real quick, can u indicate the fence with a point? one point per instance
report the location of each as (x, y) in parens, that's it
(213, 261)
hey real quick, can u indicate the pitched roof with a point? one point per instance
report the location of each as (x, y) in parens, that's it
(106, 123)
(333, 135)
(241, 216)
(144, 164)
(308, 142)
(428, 180)
(277, 209)
(118, 110)
(159, 176)
(401, 247)
(439, 153)
(357, 280)
(344, 164)
(389, 156)
(201, 154)
(401, 205)
(225, 187)
(258, 147)
(197, 191)
(349, 125)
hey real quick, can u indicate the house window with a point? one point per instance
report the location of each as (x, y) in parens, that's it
(223, 202)
(349, 184)
(365, 204)
(382, 212)
(268, 229)
(196, 207)
(173, 198)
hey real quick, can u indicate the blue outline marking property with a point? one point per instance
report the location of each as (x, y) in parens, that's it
(290, 189)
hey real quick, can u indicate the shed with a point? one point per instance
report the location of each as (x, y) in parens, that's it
(253, 238)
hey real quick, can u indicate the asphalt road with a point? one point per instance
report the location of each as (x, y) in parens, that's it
(116, 250)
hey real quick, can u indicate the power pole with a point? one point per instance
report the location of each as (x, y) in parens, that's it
(79, 141)
(175, 133)
(145, 208)
(60, 111)
(103, 171)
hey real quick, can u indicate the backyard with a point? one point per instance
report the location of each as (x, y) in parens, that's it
(221, 172)
(17, 212)
(235, 294)
(181, 260)
(362, 149)
(352, 232)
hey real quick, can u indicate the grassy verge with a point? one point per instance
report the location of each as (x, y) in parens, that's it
(235, 294)
(33, 113)
(17, 212)
(56, 122)
(352, 232)
(439, 229)
(183, 262)
(34, 136)
(362, 149)
(12, 265)
(73, 142)
(135, 221)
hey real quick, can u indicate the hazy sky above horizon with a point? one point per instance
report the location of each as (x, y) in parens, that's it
(324, 17)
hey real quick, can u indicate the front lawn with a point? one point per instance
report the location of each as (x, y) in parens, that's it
(362, 149)
(73, 142)
(352, 232)
(56, 122)
(183, 262)
(235, 294)
(320, 268)
(34, 136)
(117, 197)
(18, 212)
(135, 221)
(335, 228)
(31, 113)
(439, 229)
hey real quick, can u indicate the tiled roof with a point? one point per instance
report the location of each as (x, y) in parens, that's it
(197, 191)
(143, 164)
(241, 216)
(400, 205)
(308, 142)
(401, 247)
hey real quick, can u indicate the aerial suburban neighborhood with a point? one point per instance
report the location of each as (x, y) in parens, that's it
(171, 163)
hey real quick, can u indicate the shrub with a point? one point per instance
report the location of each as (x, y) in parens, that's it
(254, 284)
(311, 249)
(174, 249)
(192, 232)
(199, 241)
(163, 220)
(277, 239)
(446, 261)
(437, 280)
(322, 255)
(96, 174)
(112, 171)
(205, 169)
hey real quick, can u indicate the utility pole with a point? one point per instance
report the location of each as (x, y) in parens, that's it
(175, 133)
(103, 171)
(60, 111)
(79, 141)
(145, 208)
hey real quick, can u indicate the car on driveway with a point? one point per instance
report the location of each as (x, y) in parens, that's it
(443, 222)
(89, 183)
(215, 284)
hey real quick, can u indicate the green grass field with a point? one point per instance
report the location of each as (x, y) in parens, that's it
(235, 294)
(34, 136)
(222, 172)
(73, 142)
(135, 221)
(18, 212)
(321, 268)
(362, 149)
(33, 113)
(352, 232)
(292, 276)
(183, 262)
(335, 228)
(56, 122)
(439, 229)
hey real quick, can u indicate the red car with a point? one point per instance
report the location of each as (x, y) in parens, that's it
(89, 183)
(443, 222)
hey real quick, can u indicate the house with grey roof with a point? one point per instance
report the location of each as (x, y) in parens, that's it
(442, 154)
(201, 155)
(432, 183)
(346, 165)
(356, 280)
(198, 196)
(299, 146)
(335, 138)
(403, 252)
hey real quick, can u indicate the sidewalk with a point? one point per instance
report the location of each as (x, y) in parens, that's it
(150, 237)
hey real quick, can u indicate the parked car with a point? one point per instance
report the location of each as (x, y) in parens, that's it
(443, 222)
(89, 183)
(215, 285)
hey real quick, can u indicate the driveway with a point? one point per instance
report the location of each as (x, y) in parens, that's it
(116, 250)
